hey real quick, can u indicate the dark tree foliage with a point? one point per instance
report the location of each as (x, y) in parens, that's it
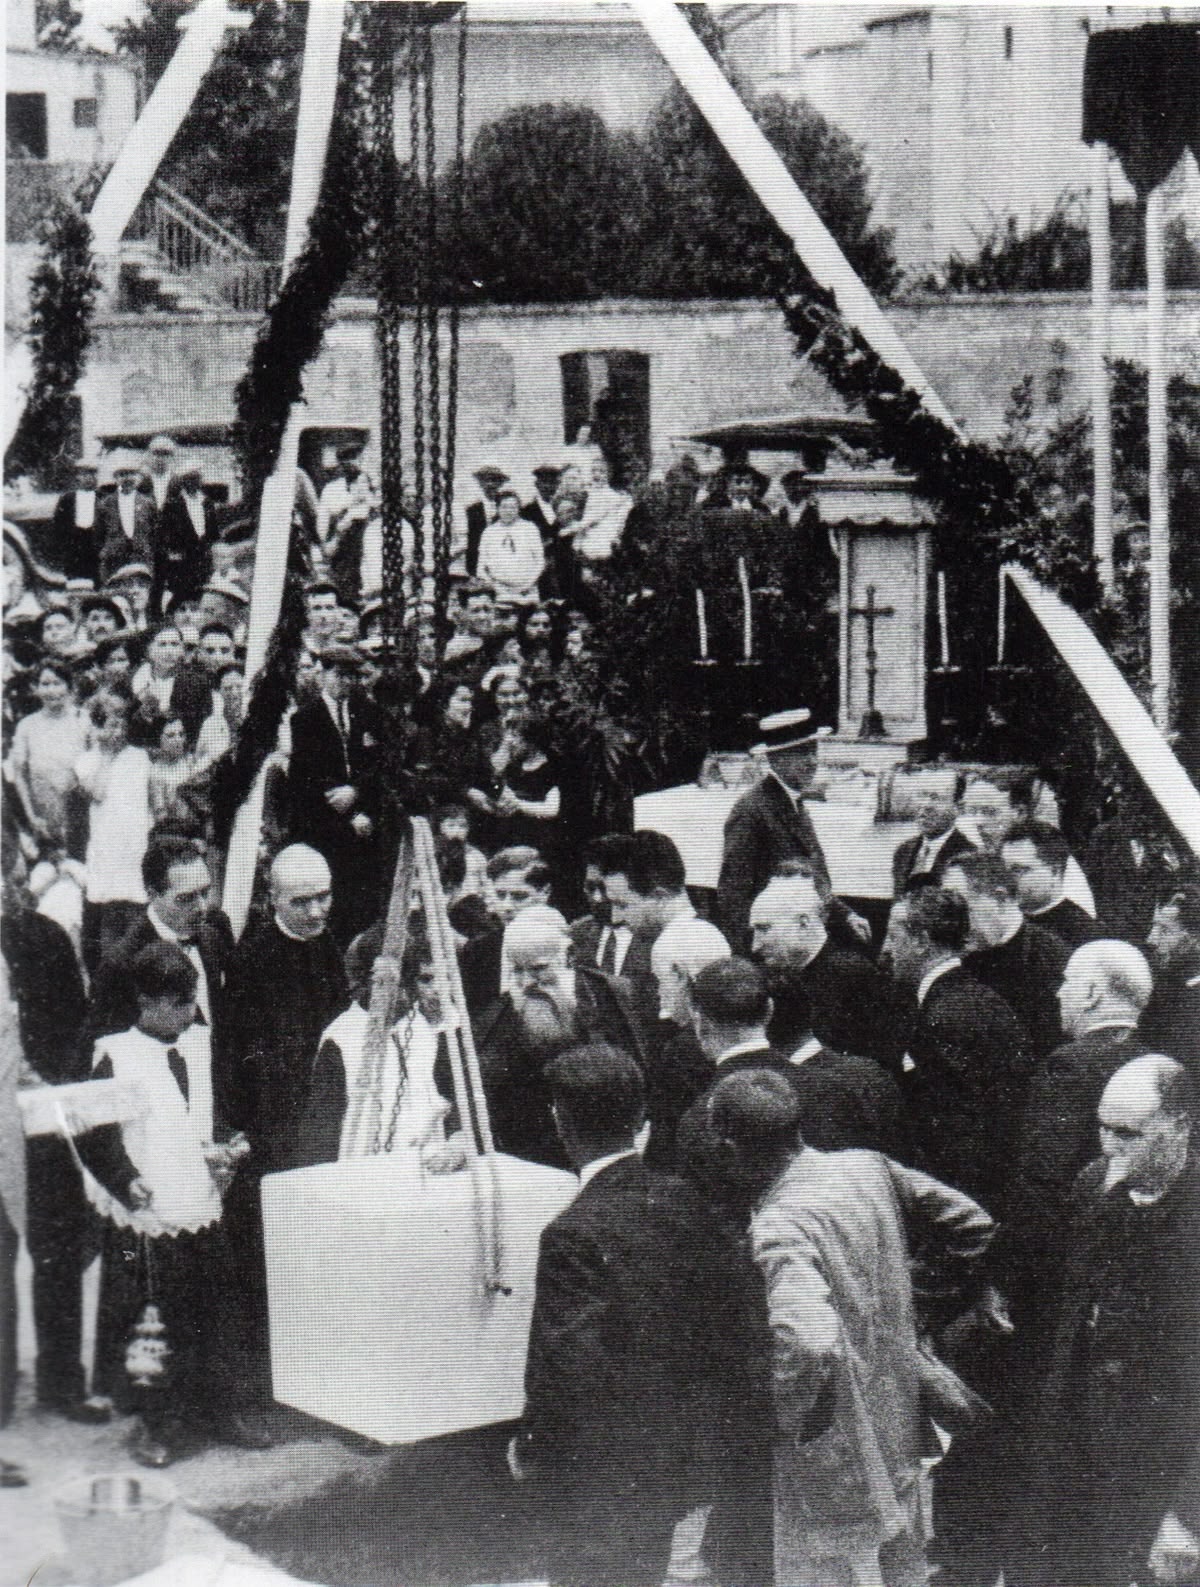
(233, 154)
(554, 206)
(710, 236)
(56, 22)
(62, 296)
(1055, 255)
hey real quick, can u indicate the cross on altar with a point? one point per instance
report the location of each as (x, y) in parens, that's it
(872, 720)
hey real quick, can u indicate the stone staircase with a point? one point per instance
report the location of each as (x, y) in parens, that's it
(176, 259)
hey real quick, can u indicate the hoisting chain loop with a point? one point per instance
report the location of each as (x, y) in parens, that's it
(420, 284)
(442, 554)
(389, 318)
(432, 325)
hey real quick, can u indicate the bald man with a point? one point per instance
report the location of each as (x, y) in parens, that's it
(677, 1070)
(820, 987)
(286, 983)
(1115, 1451)
(551, 1004)
(1105, 988)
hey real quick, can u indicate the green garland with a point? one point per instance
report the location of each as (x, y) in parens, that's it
(290, 337)
(62, 299)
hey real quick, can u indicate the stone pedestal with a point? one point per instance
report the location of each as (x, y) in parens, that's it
(882, 532)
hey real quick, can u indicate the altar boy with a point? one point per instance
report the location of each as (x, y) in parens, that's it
(157, 1178)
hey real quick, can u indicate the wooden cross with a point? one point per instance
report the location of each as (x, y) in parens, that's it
(872, 721)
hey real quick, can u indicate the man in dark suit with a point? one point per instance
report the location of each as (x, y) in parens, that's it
(1104, 990)
(333, 793)
(848, 1101)
(597, 941)
(767, 825)
(1021, 961)
(1036, 855)
(819, 987)
(969, 1057)
(677, 1068)
(1113, 1476)
(924, 857)
(47, 989)
(646, 887)
(178, 888)
(540, 509)
(550, 1005)
(76, 535)
(482, 512)
(1172, 1021)
(126, 523)
(187, 530)
(645, 1379)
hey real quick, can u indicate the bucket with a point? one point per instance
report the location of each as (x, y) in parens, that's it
(114, 1527)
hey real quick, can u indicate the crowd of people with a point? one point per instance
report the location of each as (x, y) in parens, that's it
(840, 1186)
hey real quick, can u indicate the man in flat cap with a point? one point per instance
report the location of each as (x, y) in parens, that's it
(187, 530)
(484, 511)
(340, 491)
(125, 521)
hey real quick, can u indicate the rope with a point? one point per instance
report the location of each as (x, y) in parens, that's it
(366, 1106)
(441, 933)
(482, 1165)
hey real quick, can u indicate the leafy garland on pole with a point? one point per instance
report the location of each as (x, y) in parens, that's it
(62, 298)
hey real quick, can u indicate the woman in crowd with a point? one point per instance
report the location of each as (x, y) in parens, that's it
(114, 776)
(46, 745)
(537, 640)
(173, 764)
(515, 791)
(155, 678)
(446, 746)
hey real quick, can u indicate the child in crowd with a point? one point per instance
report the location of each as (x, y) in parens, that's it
(157, 1178)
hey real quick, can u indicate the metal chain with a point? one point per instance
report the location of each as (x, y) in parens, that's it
(389, 319)
(433, 327)
(403, 1053)
(442, 555)
(421, 285)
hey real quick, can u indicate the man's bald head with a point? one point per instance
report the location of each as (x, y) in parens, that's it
(301, 891)
(1103, 981)
(787, 927)
(1145, 1118)
(681, 950)
(537, 932)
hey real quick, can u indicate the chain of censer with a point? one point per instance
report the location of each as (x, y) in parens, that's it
(433, 365)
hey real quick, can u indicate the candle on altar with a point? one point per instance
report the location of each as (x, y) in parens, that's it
(1000, 621)
(747, 621)
(702, 625)
(943, 621)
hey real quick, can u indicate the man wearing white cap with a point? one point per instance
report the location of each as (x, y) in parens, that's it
(125, 521)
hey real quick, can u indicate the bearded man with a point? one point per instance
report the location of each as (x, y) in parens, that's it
(551, 1004)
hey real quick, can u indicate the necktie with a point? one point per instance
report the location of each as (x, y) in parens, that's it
(608, 953)
(178, 1068)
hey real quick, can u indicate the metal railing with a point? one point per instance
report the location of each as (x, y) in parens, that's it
(211, 260)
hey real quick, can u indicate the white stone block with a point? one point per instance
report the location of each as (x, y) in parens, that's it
(380, 1322)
